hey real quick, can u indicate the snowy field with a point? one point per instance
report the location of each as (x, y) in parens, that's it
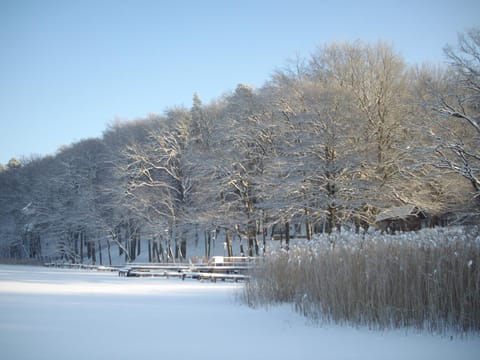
(70, 314)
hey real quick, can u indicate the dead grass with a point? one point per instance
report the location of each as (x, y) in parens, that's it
(429, 280)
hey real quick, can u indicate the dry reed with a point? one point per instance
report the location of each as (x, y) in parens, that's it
(428, 280)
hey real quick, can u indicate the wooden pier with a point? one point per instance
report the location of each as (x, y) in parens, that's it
(217, 268)
(231, 269)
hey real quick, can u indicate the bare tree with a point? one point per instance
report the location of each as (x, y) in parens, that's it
(345, 114)
(232, 167)
(458, 104)
(446, 129)
(159, 184)
(375, 79)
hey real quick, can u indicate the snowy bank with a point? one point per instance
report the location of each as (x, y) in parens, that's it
(70, 314)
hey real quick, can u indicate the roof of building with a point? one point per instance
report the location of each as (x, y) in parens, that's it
(397, 213)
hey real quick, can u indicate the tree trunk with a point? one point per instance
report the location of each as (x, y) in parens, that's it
(139, 242)
(330, 219)
(80, 239)
(228, 240)
(155, 253)
(109, 253)
(251, 236)
(149, 250)
(177, 250)
(264, 239)
(196, 236)
(287, 235)
(208, 243)
(100, 252)
(183, 246)
(92, 250)
(308, 225)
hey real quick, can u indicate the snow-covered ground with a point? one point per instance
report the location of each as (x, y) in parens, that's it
(69, 314)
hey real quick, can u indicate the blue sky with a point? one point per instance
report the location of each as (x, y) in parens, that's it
(68, 68)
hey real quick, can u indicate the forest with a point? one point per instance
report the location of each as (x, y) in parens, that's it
(326, 144)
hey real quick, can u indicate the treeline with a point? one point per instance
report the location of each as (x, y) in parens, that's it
(326, 139)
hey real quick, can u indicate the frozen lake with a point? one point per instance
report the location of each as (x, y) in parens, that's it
(70, 314)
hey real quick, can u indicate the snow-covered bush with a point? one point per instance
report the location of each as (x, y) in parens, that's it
(428, 280)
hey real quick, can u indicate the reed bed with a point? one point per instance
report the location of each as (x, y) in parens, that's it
(428, 280)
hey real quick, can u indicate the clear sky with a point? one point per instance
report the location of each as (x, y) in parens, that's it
(70, 67)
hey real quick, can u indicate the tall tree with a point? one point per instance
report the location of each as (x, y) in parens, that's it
(375, 79)
(459, 107)
(159, 185)
(450, 130)
(316, 156)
